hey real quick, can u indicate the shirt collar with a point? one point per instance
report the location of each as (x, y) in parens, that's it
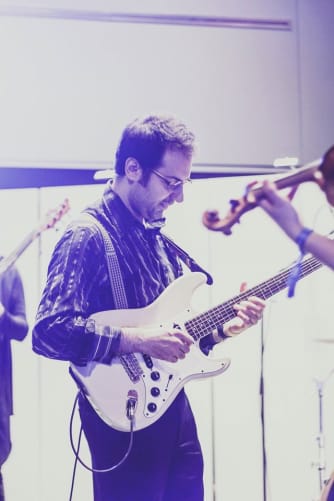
(113, 202)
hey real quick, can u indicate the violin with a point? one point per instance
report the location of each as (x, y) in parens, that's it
(320, 171)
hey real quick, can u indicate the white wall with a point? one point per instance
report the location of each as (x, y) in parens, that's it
(67, 89)
(84, 80)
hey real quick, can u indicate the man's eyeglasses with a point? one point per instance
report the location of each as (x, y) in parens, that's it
(171, 182)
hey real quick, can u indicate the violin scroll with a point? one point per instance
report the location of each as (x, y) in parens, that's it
(213, 222)
(320, 171)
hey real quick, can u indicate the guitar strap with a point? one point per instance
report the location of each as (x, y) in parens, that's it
(128, 360)
(115, 275)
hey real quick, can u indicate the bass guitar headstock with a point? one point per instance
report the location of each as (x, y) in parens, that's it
(53, 216)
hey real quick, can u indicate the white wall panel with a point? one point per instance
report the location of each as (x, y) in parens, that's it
(70, 86)
(316, 42)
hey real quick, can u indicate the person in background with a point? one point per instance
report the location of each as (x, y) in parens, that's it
(280, 209)
(13, 325)
(153, 162)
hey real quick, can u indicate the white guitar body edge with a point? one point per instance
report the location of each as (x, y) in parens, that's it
(109, 387)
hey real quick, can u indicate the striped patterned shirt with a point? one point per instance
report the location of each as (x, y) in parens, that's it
(78, 283)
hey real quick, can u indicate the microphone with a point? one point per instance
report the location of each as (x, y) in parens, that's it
(131, 404)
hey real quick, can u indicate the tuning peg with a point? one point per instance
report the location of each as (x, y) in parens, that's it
(212, 216)
(234, 204)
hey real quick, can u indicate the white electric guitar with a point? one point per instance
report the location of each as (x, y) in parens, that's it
(145, 387)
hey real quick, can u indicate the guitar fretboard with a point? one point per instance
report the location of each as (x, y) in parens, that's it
(205, 323)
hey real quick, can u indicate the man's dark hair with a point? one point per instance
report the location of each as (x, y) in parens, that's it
(148, 139)
(327, 165)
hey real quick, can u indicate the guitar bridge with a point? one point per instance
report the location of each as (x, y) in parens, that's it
(131, 367)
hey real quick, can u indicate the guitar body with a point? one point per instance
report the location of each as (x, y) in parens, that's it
(137, 386)
(149, 384)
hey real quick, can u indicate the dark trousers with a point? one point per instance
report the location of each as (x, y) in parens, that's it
(330, 496)
(2, 491)
(165, 463)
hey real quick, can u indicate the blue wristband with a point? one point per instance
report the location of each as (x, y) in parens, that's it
(302, 237)
(221, 333)
(296, 270)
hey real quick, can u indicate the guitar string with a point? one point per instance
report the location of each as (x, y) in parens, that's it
(203, 324)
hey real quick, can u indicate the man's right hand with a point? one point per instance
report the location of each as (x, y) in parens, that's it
(170, 346)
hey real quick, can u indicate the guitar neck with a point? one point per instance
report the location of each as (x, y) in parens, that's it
(203, 324)
(52, 218)
(9, 260)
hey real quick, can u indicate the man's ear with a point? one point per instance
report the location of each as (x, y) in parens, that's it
(133, 170)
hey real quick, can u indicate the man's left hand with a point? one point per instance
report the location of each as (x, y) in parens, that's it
(249, 312)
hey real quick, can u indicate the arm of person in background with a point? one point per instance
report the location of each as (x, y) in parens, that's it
(13, 320)
(280, 209)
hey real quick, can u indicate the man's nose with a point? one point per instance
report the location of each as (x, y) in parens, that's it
(178, 194)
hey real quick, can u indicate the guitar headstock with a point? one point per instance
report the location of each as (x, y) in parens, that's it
(54, 215)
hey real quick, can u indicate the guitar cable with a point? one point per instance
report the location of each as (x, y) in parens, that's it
(76, 449)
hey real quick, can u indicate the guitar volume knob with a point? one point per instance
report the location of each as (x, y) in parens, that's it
(155, 375)
(152, 407)
(155, 392)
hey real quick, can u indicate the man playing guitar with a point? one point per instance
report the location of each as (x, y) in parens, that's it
(114, 259)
